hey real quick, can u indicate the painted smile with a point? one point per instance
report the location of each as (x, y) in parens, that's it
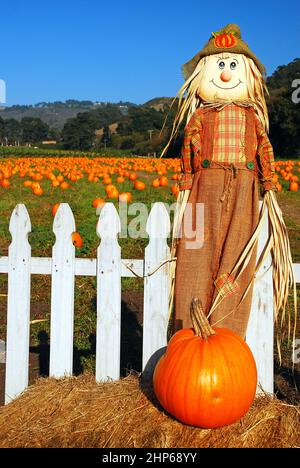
(212, 81)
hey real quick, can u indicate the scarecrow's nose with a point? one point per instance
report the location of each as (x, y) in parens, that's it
(226, 75)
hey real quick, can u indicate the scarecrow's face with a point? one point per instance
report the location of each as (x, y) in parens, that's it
(224, 77)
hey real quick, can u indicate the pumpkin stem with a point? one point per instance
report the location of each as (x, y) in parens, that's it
(200, 323)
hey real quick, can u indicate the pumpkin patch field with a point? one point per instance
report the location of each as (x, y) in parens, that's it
(125, 413)
(86, 184)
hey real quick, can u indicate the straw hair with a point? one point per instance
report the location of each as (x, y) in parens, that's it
(257, 89)
(189, 98)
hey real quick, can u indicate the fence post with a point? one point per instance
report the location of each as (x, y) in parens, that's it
(260, 332)
(18, 305)
(108, 295)
(62, 294)
(156, 288)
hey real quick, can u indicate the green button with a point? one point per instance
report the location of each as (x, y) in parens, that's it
(250, 165)
(206, 163)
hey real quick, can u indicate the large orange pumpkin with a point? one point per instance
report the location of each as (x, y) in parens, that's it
(207, 377)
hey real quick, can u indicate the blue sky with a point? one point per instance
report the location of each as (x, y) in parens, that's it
(127, 50)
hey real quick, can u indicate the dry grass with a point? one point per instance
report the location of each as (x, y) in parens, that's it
(77, 412)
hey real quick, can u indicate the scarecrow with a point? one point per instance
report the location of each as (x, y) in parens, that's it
(226, 159)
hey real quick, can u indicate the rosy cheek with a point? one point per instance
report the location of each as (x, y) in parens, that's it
(226, 76)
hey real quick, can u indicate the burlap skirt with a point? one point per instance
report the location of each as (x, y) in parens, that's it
(231, 213)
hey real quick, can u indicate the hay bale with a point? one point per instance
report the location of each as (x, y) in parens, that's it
(77, 412)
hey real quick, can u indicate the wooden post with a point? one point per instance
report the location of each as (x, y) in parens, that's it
(62, 294)
(108, 295)
(260, 332)
(156, 288)
(18, 305)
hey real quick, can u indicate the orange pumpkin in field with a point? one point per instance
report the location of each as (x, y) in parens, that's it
(109, 187)
(133, 176)
(113, 193)
(77, 240)
(139, 185)
(207, 377)
(64, 185)
(38, 191)
(55, 208)
(163, 181)
(294, 186)
(98, 202)
(155, 183)
(107, 180)
(5, 183)
(175, 190)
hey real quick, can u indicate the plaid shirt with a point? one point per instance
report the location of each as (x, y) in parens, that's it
(228, 145)
(229, 135)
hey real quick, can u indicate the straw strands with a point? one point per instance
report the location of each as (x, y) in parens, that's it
(78, 412)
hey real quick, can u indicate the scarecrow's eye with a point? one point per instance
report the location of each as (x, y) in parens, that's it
(233, 65)
(221, 65)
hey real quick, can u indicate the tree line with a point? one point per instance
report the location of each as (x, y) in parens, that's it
(27, 130)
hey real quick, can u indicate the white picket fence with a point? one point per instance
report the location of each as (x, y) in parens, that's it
(108, 267)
